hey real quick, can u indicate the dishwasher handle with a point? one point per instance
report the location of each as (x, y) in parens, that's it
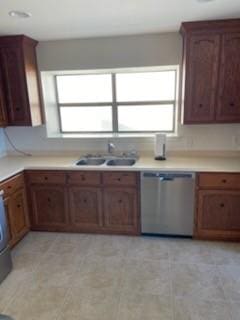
(168, 176)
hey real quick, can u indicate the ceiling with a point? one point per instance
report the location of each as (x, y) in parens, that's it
(63, 19)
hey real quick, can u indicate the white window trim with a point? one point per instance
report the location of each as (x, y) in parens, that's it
(55, 131)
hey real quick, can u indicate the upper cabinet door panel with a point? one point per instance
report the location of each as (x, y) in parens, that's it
(16, 95)
(202, 58)
(3, 114)
(229, 82)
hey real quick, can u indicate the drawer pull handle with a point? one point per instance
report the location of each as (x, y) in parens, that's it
(48, 199)
(224, 181)
(120, 201)
(18, 206)
(200, 105)
(46, 178)
(83, 178)
(222, 205)
(119, 179)
(232, 104)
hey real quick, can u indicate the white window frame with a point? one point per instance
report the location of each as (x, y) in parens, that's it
(114, 104)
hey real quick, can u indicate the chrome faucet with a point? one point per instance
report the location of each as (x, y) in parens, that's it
(111, 147)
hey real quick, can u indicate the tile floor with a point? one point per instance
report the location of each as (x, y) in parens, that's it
(92, 277)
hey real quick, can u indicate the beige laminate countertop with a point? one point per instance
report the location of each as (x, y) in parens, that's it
(11, 165)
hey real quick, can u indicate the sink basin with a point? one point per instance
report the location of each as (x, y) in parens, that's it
(90, 162)
(121, 162)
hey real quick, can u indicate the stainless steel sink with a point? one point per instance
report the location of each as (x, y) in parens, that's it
(121, 162)
(90, 162)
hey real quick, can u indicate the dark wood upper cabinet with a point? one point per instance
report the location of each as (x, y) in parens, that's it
(210, 72)
(20, 81)
(201, 78)
(3, 113)
(228, 104)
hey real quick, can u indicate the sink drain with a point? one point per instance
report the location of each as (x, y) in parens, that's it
(4, 317)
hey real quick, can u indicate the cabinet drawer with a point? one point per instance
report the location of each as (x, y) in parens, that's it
(219, 180)
(120, 178)
(46, 177)
(84, 178)
(12, 184)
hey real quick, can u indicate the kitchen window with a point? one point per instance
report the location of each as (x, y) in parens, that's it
(120, 102)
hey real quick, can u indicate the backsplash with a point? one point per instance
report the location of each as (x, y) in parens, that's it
(191, 138)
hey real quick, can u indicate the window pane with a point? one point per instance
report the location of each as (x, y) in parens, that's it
(84, 88)
(145, 118)
(146, 86)
(86, 119)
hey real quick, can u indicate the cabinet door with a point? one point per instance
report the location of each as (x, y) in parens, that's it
(18, 215)
(218, 214)
(3, 114)
(49, 207)
(10, 233)
(121, 210)
(201, 75)
(85, 208)
(228, 109)
(3, 117)
(16, 94)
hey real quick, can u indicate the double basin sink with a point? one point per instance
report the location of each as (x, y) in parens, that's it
(109, 161)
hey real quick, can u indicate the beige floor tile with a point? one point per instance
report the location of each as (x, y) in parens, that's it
(188, 309)
(26, 261)
(10, 287)
(235, 310)
(148, 248)
(90, 304)
(197, 281)
(56, 270)
(225, 253)
(145, 307)
(99, 273)
(146, 276)
(78, 244)
(188, 251)
(37, 304)
(37, 242)
(109, 246)
(230, 277)
(83, 276)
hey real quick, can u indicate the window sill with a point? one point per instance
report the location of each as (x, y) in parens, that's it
(105, 135)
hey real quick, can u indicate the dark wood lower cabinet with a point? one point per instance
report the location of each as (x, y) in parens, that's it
(48, 207)
(84, 202)
(121, 210)
(218, 209)
(17, 216)
(85, 205)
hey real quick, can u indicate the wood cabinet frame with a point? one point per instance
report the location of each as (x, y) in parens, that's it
(204, 98)
(211, 194)
(91, 186)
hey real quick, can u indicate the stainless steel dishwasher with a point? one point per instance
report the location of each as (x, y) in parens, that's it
(167, 203)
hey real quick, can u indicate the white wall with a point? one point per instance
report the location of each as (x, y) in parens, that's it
(128, 51)
(112, 52)
(2, 144)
